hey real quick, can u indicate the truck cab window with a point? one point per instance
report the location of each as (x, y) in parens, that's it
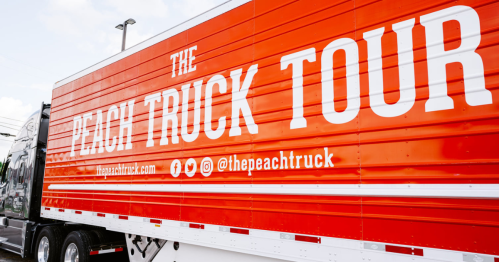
(30, 128)
(20, 177)
(5, 167)
(23, 133)
(7, 175)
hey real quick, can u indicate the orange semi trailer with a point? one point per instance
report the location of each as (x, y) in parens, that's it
(299, 130)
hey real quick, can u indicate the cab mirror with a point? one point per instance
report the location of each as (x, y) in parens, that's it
(43, 131)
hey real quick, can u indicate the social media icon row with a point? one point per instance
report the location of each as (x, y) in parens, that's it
(190, 167)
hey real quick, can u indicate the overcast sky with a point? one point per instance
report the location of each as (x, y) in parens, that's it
(44, 41)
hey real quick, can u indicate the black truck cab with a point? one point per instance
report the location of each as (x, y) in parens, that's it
(22, 230)
(21, 182)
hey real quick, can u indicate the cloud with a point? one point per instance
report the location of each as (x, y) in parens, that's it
(11, 108)
(4, 148)
(14, 108)
(74, 18)
(23, 69)
(90, 23)
(131, 8)
(191, 8)
(46, 87)
(133, 37)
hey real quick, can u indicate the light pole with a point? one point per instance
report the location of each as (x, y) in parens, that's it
(123, 27)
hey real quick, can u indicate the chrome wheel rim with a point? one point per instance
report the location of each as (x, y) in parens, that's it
(43, 250)
(71, 254)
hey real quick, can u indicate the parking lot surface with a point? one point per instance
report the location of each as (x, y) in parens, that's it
(6, 256)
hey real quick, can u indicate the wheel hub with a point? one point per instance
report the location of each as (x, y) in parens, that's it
(71, 254)
(43, 250)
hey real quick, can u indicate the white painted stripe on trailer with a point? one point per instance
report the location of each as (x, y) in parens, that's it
(212, 13)
(266, 243)
(378, 190)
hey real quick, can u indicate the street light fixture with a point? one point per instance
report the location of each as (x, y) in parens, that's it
(123, 27)
(6, 134)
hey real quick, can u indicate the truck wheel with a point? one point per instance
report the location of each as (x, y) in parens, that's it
(105, 237)
(76, 247)
(48, 244)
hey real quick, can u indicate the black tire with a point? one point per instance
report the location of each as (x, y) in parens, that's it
(107, 237)
(83, 241)
(55, 237)
(100, 235)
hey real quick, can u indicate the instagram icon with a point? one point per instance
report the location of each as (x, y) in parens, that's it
(206, 166)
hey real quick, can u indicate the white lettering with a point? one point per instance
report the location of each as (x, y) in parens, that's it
(151, 99)
(407, 81)
(112, 111)
(308, 161)
(244, 164)
(275, 163)
(174, 58)
(126, 125)
(266, 164)
(185, 110)
(240, 103)
(222, 87)
(76, 134)
(317, 164)
(259, 164)
(473, 72)
(98, 135)
(236, 163)
(297, 59)
(173, 93)
(327, 158)
(182, 62)
(352, 76)
(298, 161)
(192, 58)
(284, 161)
(85, 133)
(251, 165)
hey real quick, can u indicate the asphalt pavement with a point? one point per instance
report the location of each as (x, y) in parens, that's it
(6, 256)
